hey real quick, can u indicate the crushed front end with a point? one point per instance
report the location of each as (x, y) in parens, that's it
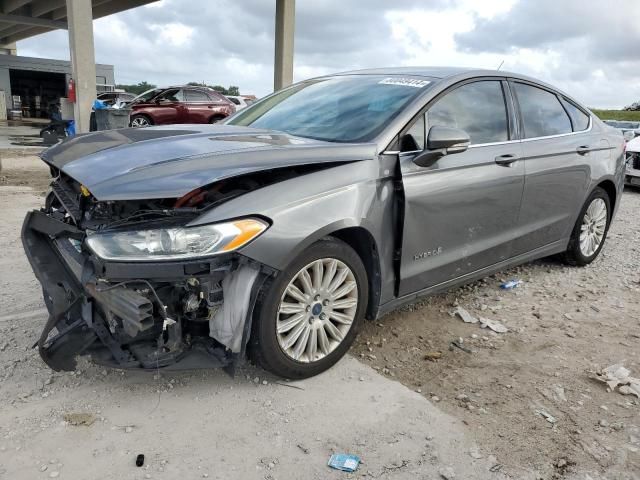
(124, 284)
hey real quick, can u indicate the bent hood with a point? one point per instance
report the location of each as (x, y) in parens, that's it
(169, 162)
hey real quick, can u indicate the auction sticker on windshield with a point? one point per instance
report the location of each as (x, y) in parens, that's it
(405, 82)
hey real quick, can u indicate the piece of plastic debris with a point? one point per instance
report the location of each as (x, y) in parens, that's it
(139, 460)
(546, 415)
(457, 344)
(464, 315)
(344, 462)
(618, 376)
(494, 325)
(77, 419)
(432, 356)
(511, 284)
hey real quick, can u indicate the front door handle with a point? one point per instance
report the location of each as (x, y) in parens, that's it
(506, 160)
(583, 149)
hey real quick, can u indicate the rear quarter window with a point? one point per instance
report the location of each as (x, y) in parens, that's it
(579, 119)
(542, 113)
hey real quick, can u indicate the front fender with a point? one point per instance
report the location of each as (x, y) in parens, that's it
(306, 208)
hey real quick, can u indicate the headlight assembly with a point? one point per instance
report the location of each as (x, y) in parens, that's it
(175, 243)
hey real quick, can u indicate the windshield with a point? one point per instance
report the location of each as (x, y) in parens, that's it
(353, 108)
(146, 96)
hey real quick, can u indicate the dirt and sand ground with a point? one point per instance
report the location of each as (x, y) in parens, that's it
(473, 414)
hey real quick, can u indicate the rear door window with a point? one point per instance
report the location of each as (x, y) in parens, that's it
(542, 113)
(478, 108)
(579, 119)
(196, 96)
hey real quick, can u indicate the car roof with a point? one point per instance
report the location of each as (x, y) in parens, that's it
(442, 73)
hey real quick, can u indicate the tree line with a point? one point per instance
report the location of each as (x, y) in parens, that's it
(141, 87)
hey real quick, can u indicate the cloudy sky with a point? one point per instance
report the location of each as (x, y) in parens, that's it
(589, 49)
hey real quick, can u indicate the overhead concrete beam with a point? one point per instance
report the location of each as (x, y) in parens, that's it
(285, 28)
(21, 34)
(83, 62)
(31, 21)
(41, 7)
(9, 6)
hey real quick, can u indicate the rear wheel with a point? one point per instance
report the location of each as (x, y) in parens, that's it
(216, 119)
(309, 316)
(140, 121)
(590, 231)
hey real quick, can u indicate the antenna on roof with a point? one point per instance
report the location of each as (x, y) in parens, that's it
(501, 63)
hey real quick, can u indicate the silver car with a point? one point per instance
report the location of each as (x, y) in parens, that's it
(335, 200)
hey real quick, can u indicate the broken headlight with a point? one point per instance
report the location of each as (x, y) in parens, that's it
(175, 243)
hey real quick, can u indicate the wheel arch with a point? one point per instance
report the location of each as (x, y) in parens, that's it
(217, 116)
(609, 187)
(361, 240)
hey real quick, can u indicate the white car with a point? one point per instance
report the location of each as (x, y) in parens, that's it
(632, 173)
(240, 101)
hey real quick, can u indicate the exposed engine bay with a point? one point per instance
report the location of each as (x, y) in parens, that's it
(174, 314)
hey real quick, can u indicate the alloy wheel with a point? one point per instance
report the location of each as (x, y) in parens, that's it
(317, 310)
(139, 122)
(594, 224)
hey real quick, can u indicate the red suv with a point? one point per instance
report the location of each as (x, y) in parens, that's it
(164, 106)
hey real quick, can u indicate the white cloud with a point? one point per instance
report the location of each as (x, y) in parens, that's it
(589, 51)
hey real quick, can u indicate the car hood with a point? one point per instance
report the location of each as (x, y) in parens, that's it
(169, 162)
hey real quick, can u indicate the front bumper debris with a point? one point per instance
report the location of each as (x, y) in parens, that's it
(632, 171)
(139, 315)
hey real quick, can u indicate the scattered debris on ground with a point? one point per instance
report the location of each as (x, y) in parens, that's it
(344, 462)
(616, 376)
(77, 419)
(562, 321)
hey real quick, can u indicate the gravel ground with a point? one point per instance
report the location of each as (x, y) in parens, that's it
(563, 324)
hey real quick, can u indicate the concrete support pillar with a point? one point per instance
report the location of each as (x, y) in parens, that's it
(9, 49)
(83, 62)
(285, 26)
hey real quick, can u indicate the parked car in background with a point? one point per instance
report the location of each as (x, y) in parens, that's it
(166, 106)
(333, 200)
(240, 101)
(115, 98)
(632, 172)
(629, 129)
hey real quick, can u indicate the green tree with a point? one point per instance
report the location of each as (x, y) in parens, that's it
(136, 89)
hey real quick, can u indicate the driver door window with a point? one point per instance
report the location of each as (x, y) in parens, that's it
(174, 95)
(477, 108)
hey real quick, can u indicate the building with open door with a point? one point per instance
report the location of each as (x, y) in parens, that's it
(32, 85)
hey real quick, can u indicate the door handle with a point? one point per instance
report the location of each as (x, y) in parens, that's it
(583, 149)
(506, 160)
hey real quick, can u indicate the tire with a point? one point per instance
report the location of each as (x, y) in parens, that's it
(268, 346)
(581, 253)
(138, 121)
(216, 119)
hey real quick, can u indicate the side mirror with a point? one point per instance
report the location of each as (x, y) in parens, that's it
(442, 141)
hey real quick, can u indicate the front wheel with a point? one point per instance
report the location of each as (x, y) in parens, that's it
(138, 121)
(590, 231)
(310, 314)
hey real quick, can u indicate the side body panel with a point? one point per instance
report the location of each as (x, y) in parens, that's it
(163, 114)
(460, 214)
(305, 209)
(557, 181)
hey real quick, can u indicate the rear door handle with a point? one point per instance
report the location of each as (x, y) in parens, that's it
(583, 149)
(507, 159)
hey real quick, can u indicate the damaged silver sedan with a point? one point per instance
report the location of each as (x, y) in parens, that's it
(337, 199)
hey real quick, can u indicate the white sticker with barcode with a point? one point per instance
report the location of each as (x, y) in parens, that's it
(405, 82)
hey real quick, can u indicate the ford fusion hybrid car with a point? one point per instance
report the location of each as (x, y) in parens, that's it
(338, 199)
